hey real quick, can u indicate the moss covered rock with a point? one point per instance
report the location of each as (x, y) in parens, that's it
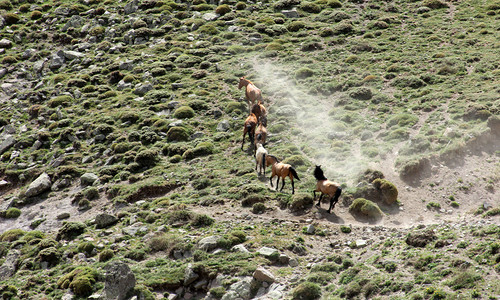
(366, 208)
(177, 134)
(184, 112)
(387, 189)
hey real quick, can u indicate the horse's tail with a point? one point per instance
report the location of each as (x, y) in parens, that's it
(294, 173)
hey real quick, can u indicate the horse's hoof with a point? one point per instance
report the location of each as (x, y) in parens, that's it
(329, 212)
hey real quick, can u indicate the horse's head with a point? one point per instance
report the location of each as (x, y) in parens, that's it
(242, 82)
(318, 173)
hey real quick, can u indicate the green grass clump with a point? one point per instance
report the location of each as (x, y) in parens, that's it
(295, 26)
(304, 72)
(177, 134)
(8, 60)
(12, 213)
(306, 291)
(361, 206)
(184, 112)
(106, 255)
(81, 281)
(11, 18)
(222, 9)
(388, 190)
(63, 100)
(12, 235)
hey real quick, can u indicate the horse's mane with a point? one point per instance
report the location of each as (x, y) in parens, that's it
(277, 160)
(318, 174)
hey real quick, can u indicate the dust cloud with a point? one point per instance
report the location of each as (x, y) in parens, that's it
(313, 124)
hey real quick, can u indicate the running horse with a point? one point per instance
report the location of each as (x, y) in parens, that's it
(252, 93)
(249, 127)
(260, 112)
(327, 187)
(281, 170)
(260, 158)
(260, 136)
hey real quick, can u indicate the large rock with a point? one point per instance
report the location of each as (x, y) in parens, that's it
(5, 43)
(40, 185)
(131, 7)
(73, 54)
(239, 290)
(88, 179)
(269, 252)
(208, 243)
(105, 220)
(119, 281)
(8, 142)
(9, 266)
(142, 89)
(262, 274)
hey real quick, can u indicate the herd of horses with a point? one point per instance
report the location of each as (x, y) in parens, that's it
(256, 128)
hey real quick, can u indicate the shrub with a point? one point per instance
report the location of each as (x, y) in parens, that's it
(306, 291)
(361, 93)
(344, 27)
(345, 229)
(202, 221)
(310, 7)
(12, 213)
(86, 247)
(70, 230)
(5, 4)
(80, 281)
(50, 255)
(300, 201)
(147, 158)
(97, 31)
(202, 149)
(434, 4)
(241, 6)
(295, 26)
(217, 292)
(334, 3)
(35, 15)
(8, 60)
(12, 235)
(403, 120)
(106, 255)
(304, 72)
(63, 100)
(388, 190)
(176, 134)
(11, 18)
(222, 9)
(184, 112)
(208, 29)
(361, 206)
(258, 208)
(91, 193)
(235, 106)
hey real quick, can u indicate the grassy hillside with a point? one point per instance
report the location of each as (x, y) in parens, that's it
(142, 98)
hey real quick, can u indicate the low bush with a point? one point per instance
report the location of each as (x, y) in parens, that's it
(306, 291)
(367, 208)
(12, 213)
(184, 112)
(387, 189)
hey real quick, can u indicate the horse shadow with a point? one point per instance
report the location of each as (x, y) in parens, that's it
(331, 217)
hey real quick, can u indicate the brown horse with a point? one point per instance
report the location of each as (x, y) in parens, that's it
(260, 112)
(281, 170)
(260, 136)
(252, 93)
(249, 127)
(327, 187)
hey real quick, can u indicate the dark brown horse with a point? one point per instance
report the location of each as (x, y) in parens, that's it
(260, 136)
(249, 127)
(260, 112)
(281, 170)
(252, 93)
(327, 187)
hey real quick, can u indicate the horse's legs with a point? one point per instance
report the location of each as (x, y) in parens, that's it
(320, 197)
(335, 199)
(244, 133)
(282, 184)
(332, 204)
(314, 195)
(271, 180)
(293, 188)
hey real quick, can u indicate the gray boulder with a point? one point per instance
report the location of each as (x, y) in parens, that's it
(262, 274)
(73, 54)
(40, 185)
(131, 7)
(239, 290)
(268, 252)
(8, 142)
(105, 220)
(5, 43)
(223, 126)
(8, 268)
(88, 179)
(119, 281)
(208, 243)
(142, 89)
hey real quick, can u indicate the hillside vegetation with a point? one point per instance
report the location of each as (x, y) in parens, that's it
(121, 126)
